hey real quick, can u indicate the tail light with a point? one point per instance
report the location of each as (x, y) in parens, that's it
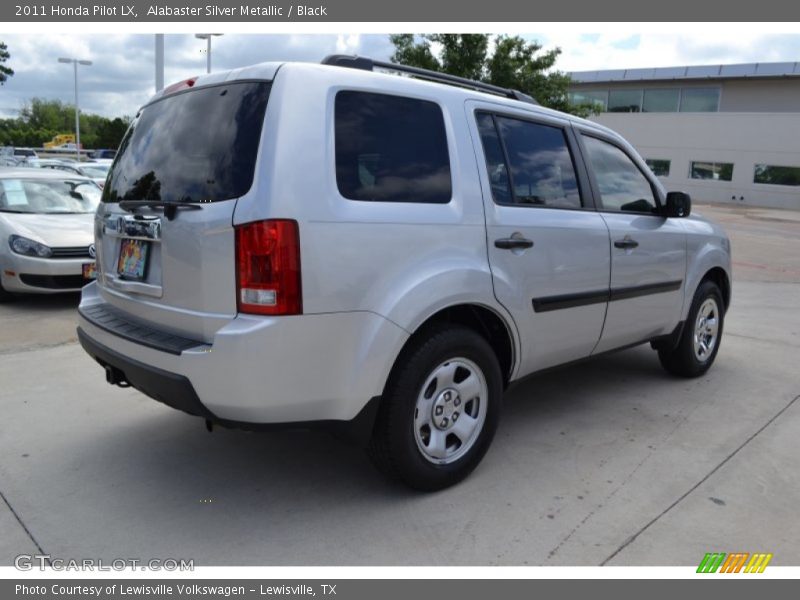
(268, 268)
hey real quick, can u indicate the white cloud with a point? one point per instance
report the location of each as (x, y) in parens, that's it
(122, 76)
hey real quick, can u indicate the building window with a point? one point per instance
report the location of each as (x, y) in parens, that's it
(658, 166)
(391, 149)
(661, 100)
(598, 99)
(711, 170)
(625, 101)
(699, 99)
(777, 175)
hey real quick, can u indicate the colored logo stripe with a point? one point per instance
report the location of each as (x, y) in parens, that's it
(711, 562)
(734, 562)
(758, 563)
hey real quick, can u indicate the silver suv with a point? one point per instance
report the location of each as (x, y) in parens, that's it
(333, 245)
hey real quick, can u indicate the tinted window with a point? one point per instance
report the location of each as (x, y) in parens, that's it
(699, 100)
(625, 101)
(598, 99)
(776, 175)
(711, 170)
(621, 184)
(658, 166)
(660, 100)
(542, 172)
(391, 149)
(495, 159)
(195, 146)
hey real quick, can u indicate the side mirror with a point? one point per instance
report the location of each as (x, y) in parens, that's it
(679, 204)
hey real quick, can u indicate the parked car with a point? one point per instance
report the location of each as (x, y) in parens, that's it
(46, 231)
(386, 253)
(102, 153)
(26, 157)
(94, 170)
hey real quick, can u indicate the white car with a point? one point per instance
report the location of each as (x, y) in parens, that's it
(96, 171)
(46, 235)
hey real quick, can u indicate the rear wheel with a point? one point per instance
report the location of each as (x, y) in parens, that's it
(440, 409)
(701, 336)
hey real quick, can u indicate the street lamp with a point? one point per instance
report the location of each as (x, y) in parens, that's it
(207, 37)
(75, 62)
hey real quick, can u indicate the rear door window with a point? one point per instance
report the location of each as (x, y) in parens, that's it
(195, 146)
(391, 149)
(540, 169)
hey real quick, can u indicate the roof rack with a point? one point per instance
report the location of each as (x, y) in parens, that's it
(367, 64)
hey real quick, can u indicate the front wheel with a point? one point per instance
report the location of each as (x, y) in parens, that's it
(701, 336)
(440, 409)
(4, 295)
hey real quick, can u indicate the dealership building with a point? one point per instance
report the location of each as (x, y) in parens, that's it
(723, 133)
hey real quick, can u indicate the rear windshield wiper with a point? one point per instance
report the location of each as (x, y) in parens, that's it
(170, 209)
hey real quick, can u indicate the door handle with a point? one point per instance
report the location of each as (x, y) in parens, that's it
(511, 243)
(626, 243)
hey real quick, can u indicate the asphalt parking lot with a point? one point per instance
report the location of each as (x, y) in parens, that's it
(607, 462)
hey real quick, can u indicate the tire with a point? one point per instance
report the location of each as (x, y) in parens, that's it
(4, 295)
(701, 337)
(426, 434)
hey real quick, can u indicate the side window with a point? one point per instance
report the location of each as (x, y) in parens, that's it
(541, 170)
(495, 159)
(622, 185)
(391, 149)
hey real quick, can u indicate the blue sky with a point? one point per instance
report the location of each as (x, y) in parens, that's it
(122, 76)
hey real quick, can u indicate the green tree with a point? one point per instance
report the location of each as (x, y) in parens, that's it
(506, 61)
(5, 72)
(40, 120)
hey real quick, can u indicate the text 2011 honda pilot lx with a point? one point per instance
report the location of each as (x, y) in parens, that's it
(329, 244)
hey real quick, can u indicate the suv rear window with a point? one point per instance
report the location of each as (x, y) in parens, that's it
(194, 146)
(391, 149)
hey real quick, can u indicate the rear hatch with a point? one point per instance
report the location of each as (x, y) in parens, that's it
(165, 239)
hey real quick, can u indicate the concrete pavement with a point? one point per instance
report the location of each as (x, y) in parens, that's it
(607, 462)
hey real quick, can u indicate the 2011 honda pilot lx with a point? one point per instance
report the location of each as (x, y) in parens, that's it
(335, 244)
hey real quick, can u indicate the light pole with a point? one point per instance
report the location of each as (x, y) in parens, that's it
(207, 37)
(159, 62)
(75, 62)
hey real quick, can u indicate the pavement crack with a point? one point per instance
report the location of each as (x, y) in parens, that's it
(680, 499)
(24, 527)
(35, 347)
(764, 340)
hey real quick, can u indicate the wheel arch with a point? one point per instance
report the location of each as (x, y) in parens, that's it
(723, 282)
(495, 328)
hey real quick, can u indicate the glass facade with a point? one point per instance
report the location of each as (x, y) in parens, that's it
(625, 101)
(711, 170)
(777, 175)
(659, 166)
(700, 100)
(650, 100)
(661, 100)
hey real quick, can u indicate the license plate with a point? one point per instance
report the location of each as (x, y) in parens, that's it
(89, 270)
(132, 263)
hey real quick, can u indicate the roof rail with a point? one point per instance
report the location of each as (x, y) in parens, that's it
(367, 64)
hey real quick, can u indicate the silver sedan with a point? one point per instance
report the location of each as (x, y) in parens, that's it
(46, 231)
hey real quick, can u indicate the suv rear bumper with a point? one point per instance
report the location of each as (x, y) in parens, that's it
(258, 370)
(177, 392)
